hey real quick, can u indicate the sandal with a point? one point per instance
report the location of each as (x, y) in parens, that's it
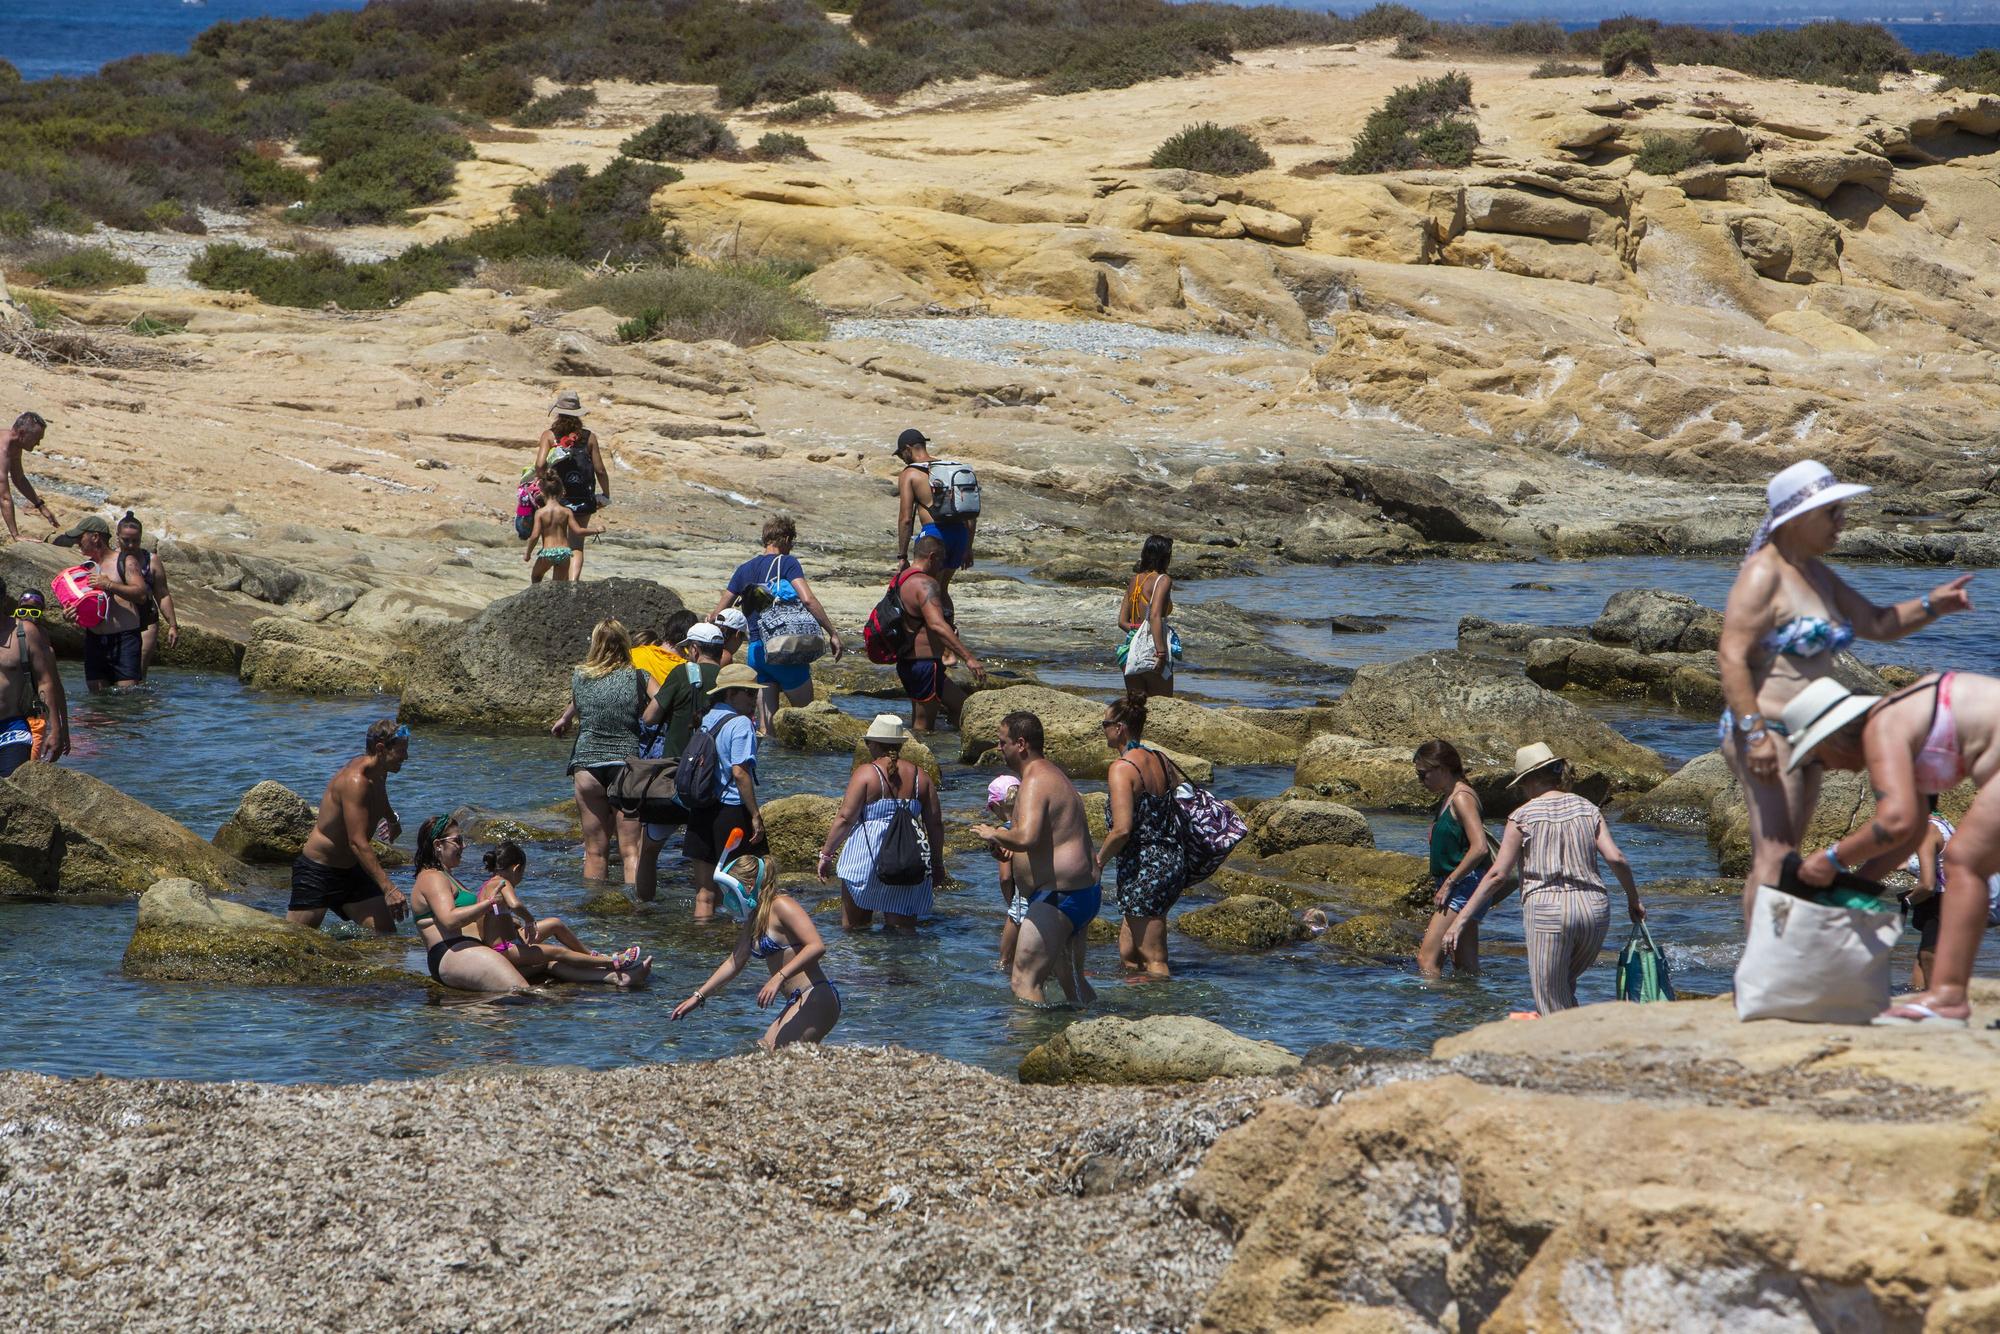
(1914, 1014)
(624, 959)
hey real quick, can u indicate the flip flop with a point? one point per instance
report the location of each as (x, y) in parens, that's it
(625, 959)
(1914, 1014)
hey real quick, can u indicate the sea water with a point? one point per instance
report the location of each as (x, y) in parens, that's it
(191, 743)
(49, 38)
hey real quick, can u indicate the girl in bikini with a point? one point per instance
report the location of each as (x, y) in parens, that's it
(777, 930)
(555, 535)
(536, 945)
(1922, 740)
(1788, 617)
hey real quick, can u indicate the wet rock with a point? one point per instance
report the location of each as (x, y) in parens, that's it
(1359, 625)
(1374, 878)
(509, 667)
(64, 832)
(1280, 826)
(285, 653)
(269, 827)
(1684, 799)
(1232, 881)
(1184, 728)
(1073, 730)
(1103, 930)
(184, 935)
(796, 828)
(1487, 714)
(1161, 1049)
(1362, 773)
(609, 903)
(1373, 936)
(1509, 639)
(1245, 921)
(1299, 725)
(1687, 681)
(1692, 886)
(816, 726)
(1653, 620)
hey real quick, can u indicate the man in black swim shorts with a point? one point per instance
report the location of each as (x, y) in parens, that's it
(337, 870)
(113, 649)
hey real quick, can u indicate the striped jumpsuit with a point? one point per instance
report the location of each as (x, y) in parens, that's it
(1564, 909)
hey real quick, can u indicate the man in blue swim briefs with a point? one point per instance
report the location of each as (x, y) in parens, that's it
(913, 507)
(928, 634)
(1053, 861)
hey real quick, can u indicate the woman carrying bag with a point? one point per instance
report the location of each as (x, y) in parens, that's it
(888, 836)
(1151, 645)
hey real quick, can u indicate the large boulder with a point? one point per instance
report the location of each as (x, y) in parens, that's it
(1216, 735)
(1653, 620)
(816, 726)
(795, 827)
(1162, 1049)
(64, 832)
(509, 667)
(1072, 731)
(1280, 826)
(1487, 713)
(183, 935)
(1373, 878)
(1373, 936)
(1688, 681)
(1242, 921)
(1362, 773)
(285, 653)
(270, 826)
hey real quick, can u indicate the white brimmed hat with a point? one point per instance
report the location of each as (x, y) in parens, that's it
(1805, 486)
(1817, 712)
(732, 619)
(887, 728)
(1530, 758)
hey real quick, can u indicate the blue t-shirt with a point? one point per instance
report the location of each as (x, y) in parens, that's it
(762, 569)
(735, 743)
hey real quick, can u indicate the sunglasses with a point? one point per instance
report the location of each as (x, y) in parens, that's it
(28, 613)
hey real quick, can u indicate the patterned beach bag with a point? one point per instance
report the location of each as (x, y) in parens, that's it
(1210, 827)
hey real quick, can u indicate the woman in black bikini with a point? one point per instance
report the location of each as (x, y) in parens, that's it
(442, 909)
(781, 933)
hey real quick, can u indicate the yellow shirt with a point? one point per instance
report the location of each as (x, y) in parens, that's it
(656, 662)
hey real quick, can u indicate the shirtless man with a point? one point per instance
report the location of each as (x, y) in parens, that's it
(913, 505)
(1053, 860)
(337, 868)
(27, 664)
(114, 648)
(930, 636)
(24, 435)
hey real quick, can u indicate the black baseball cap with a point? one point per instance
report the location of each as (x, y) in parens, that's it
(910, 439)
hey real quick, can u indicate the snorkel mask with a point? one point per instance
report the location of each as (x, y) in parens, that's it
(738, 899)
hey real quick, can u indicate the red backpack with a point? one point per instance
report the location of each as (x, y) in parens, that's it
(886, 636)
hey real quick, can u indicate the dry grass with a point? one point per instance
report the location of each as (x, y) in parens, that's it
(72, 346)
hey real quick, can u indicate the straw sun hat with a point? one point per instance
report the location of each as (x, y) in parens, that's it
(1530, 758)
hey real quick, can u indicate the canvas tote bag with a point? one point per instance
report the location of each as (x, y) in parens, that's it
(1813, 963)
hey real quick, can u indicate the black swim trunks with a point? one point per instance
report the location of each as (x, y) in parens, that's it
(708, 831)
(317, 888)
(113, 657)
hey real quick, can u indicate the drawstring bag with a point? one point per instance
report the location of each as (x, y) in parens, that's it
(1814, 960)
(527, 499)
(791, 635)
(904, 857)
(1642, 970)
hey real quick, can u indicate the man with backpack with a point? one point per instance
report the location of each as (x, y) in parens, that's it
(669, 720)
(944, 496)
(925, 634)
(717, 781)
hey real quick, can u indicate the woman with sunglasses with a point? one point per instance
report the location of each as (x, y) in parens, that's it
(36, 721)
(777, 930)
(1788, 617)
(443, 908)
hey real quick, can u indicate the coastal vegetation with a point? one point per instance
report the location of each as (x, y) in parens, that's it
(817, 107)
(681, 136)
(1664, 155)
(780, 147)
(742, 303)
(75, 268)
(567, 105)
(1219, 150)
(1417, 126)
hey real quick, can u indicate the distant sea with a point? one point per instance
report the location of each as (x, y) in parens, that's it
(45, 38)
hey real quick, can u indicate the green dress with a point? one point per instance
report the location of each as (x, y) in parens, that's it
(607, 716)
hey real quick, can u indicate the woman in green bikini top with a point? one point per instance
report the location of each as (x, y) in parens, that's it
(1459, 853)
(442, 909)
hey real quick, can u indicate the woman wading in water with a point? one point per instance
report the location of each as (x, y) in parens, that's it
(1143, 840)
(781, 933)
(1787, 617)
(1459, 852)
(1149, 601)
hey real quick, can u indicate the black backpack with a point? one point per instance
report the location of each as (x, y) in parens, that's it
(905, 855)
(698, 775)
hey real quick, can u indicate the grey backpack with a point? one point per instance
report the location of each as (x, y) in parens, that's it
(954, 490)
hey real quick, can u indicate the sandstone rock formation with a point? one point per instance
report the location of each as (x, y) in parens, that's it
(1281, 826)
(66, 833)
(1161, 1049)
(270, 825)
(184, 935)
(1242, 921)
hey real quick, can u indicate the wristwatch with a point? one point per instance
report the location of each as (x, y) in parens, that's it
(1750, 722)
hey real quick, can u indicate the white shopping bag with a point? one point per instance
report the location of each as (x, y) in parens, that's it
(1813, 963)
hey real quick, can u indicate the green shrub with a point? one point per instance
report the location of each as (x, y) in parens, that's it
(1628, 47)
(1541, 37)
(1390, 21)
(381, 155)
(73, 268)
(569, 104)
(1417, 125)
(1556, 69)
(1978, 72)
(779, 147)
(1219, 150)
(1663, 155)
(585, 217)
(319, 277)
(493, 92)
(1851, 55)
(1408, 48)
(816, 107)
(41, 312)
(743, 303)
(553, 272)
(261, 180)
(152, 326)
(680, 136)
(9, 76)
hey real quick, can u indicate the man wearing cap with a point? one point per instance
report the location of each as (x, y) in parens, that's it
(337, 868)
(114, 648)
(928, 636)
(735, 633)
(577, 458)
(913, 505)
(732, 699)
(26, 432)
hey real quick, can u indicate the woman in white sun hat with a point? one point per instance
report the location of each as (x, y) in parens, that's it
(886, 790)
(1787, 618)
(1920, 741)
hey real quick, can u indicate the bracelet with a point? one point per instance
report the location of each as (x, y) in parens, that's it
(1927, 605)
(1832, 854)
(1755, 737)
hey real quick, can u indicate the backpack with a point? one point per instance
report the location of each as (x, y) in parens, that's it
(698, 773)
(73, 591)
(954, 490)
(885, 637)
(527, 499)
(792, 637)
(905, 855)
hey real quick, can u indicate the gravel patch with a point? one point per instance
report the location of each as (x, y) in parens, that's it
(842, 1188)
(166, 255)
(992, 341)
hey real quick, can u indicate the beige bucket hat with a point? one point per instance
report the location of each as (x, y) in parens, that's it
(1530, 758)
(887, 728)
